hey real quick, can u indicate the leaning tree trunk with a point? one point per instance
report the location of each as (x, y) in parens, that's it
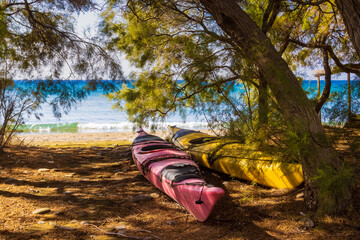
(350, 12)
(263, 102)
(319, 159)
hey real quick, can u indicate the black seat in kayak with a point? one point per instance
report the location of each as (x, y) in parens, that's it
(146, 138)
(146, 164)
(157, 147)
(202, 140)
(183, 132)
(178, 172)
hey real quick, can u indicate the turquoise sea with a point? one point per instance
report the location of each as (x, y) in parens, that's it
(95, 113)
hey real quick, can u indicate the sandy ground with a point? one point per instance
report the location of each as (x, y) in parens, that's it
(91, 192)
(62, 138)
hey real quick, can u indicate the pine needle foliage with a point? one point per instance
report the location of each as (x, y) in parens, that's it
(15, 103)
(38, 41)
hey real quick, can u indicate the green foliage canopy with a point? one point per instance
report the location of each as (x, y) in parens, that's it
(179, 40)
(186, 61)
(38, 40)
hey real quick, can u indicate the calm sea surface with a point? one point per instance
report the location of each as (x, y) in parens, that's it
(95, 114)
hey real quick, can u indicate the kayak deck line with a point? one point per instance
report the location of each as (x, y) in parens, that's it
(235, 159)
(173, 172)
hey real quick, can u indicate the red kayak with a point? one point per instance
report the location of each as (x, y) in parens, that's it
(173, 172)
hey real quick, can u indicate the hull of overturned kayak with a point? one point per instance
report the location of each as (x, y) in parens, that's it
(173, 172)
(236, 160)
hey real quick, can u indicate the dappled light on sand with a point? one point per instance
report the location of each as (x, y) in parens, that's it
(98, 193)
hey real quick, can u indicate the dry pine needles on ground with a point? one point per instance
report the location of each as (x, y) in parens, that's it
(97, 193)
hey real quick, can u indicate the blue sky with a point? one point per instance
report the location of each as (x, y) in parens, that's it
(91, 20)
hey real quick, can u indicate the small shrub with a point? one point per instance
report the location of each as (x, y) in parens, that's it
(14, 103)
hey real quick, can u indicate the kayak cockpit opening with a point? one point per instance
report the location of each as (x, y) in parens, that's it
(183, 132)
(146, 138)
(156, 147)
(202, 140)
(178, 172)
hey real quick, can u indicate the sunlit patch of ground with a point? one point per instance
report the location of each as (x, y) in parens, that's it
(89, 192)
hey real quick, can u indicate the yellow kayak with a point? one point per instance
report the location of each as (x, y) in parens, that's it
(235, 159)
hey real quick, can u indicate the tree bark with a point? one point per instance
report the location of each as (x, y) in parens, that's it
(263, 102)
(326, 92)
(316, 152)
(350, 12)
(268, 21)
(349, 96)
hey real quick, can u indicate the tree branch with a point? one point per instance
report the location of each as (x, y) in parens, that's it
(352, 68)
(326, 92)
(270, 15)
(311, 3)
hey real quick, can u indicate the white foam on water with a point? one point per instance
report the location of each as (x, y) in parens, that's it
(43, 130)
(129, 126)
(122, 126)
(190, 125)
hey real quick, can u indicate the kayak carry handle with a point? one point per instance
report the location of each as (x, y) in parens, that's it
(199, 201)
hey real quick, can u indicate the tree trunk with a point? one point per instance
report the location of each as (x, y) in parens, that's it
(350, 12)
(316, 153)
(349, 96)
(263, 102)
(326, 92)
